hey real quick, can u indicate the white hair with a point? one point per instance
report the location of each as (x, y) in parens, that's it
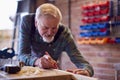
(48, 9)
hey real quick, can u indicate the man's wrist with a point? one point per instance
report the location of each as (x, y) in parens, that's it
(38, 63)
(88, 73)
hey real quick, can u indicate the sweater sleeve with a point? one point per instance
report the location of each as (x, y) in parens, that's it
(74, 54)
(24, 49)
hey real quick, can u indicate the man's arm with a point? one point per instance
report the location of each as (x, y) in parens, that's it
(25, 40)
(75, 55)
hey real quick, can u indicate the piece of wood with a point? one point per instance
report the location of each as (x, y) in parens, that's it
(52, 74)
(79, 77)
(44, 74)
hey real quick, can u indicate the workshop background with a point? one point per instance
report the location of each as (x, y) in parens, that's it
(102, 52)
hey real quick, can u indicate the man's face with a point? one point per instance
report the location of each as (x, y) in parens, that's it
(47, 27)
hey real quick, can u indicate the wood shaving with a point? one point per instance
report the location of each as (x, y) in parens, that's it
(28, 70)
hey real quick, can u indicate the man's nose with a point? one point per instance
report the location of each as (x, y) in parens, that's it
(50, 31)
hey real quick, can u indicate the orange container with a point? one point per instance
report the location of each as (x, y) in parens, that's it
(102, 40)
(92, 41)
(83, 41)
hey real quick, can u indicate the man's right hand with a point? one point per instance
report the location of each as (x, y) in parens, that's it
(46, 62)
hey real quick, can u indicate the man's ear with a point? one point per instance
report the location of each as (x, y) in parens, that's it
(36, 23)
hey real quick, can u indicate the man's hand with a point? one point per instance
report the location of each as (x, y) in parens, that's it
(46, 62)
(79, 71)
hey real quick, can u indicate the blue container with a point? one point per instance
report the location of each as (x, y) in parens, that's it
(85, 27)
(106, 33)
(117, 40)
(85, 34)
(94, 26)
(82, 27)
(95, 33)
(103, 25)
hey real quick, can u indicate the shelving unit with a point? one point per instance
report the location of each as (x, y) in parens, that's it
(98, 24)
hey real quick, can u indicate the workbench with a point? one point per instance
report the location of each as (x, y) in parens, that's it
(31, 73)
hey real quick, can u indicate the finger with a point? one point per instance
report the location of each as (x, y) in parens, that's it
(46, 53)
(72, 70)
(45, 63)
(50, 61)
(48, 64)
(82, 72)
(69, 70)
(55, 65)
(78, 70)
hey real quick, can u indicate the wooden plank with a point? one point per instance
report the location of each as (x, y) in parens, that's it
(79, 77)
(43, 74)
(51, 74)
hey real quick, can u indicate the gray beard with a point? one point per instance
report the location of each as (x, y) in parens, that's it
(48, 40)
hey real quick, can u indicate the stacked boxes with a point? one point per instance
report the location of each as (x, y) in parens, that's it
(96, 19)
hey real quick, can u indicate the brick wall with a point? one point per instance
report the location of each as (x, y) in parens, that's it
(6, 39)
(102, 57)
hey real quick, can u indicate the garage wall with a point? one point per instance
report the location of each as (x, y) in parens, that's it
(102, 57)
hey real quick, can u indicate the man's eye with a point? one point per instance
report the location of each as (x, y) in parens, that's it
(53, 28)
(46, 28)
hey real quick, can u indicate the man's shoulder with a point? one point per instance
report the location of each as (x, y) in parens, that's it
(28, 17)
(63, 28)
(27, 23)
(65, 31)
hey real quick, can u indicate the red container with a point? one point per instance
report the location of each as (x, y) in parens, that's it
(104, 4)
(90, 13)
(96, 12)
(84, 14)
(111, 41)
(85, 7)
(88, 7)
(85, 20)
(105, 18)
(97, 20)
(91, 7)
(90, 21)
(96, 5)
(104, 11)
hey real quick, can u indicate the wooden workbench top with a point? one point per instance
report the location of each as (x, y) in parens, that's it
(34, 73)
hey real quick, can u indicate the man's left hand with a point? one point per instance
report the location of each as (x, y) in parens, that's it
(79, 71)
